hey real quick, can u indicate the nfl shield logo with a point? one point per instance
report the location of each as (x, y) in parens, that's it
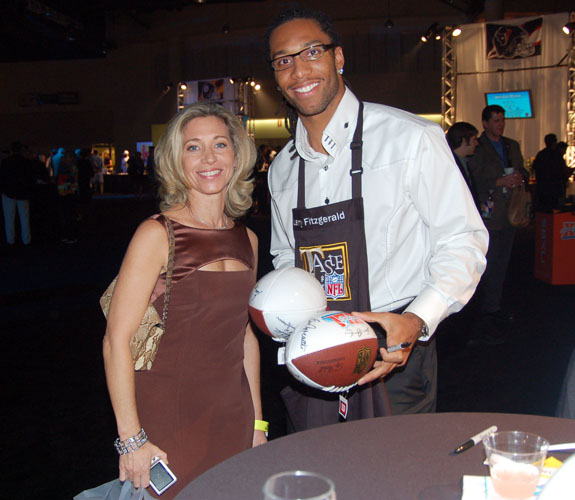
(334, 286)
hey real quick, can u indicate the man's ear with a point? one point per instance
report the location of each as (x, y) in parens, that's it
(339, 59)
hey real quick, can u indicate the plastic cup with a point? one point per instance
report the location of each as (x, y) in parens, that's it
(298, 485)
(515, 462)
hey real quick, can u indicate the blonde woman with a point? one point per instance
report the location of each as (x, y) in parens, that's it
(198, 403)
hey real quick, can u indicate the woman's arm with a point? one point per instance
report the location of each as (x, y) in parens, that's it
(252, 360)
(145, 259)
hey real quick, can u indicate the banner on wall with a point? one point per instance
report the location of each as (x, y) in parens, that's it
(211, 90)
(513, 41)
(219, 90)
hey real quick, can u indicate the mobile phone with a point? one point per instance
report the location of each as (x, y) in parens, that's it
(161, 477)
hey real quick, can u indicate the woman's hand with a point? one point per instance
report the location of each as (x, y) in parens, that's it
(135, 466)
(259, 438)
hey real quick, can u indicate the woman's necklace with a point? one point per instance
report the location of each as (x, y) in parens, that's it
(199, 219)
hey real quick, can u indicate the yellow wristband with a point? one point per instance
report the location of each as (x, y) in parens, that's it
(262, 425)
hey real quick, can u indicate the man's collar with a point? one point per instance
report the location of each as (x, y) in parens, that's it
(338, 132)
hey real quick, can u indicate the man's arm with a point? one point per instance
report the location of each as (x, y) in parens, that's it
(457, 247)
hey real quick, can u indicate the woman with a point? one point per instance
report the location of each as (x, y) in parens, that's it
(198, 402)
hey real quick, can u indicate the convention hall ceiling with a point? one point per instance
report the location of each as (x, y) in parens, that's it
(33, 30)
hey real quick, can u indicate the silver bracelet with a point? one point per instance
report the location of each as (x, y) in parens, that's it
(132, 443)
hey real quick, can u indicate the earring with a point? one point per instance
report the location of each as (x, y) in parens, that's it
(279, 89)
(340, 71)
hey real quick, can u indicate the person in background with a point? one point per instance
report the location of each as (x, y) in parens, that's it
(462, 139)
(85, 175)
(548, 175)
(200, 402)
(497, 168)
(136, 169)
(124, 162)
(17, 178)
(67, 183)
(98, 166)
(399, 231)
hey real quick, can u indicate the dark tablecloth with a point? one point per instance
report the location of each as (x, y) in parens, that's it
(403, 457)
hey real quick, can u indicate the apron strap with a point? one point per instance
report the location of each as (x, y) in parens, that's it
(301, 184)
(356, 147)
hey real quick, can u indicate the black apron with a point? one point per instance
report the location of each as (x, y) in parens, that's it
(330, 243)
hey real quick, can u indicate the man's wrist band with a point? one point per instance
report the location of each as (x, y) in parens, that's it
(131, 444)
(262, 425)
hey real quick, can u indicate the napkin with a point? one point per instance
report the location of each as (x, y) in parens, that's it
(481, 487)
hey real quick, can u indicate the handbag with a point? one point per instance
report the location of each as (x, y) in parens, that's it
(519, 207)
(114, 490)
(146, 341)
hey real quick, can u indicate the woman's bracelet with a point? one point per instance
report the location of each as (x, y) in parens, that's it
(132, 443)
(262, 425)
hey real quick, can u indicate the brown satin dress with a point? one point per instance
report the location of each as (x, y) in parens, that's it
(195, 402)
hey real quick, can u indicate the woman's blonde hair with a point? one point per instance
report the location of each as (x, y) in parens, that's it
(175, 186)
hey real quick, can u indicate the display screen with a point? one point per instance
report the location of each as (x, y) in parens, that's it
(516, 103)
(160, 477)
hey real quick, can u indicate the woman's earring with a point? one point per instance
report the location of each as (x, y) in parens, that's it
(340, 71)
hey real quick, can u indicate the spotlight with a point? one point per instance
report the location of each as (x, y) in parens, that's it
(232, 80)
(456, 31)
(433, 31)
(389, 24)
(569, 28)
(258, 86)
(183, 86)
(252, 83)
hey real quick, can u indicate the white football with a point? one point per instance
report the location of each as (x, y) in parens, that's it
(331, 351)
(284, 299)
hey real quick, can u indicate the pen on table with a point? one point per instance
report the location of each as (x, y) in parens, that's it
(399, 347)
(472, 441)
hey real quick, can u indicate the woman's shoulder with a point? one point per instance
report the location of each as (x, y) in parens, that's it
(152, 229)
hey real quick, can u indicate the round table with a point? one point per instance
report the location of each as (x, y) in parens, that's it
(402, 457)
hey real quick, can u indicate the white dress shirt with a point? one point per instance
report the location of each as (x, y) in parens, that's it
(426, 242)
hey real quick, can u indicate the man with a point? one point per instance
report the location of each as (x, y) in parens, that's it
(462, 139)
(497, 168)
(399, 229)
(17, 179)
(98, 167)
(550, 174)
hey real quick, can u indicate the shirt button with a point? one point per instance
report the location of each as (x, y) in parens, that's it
(325, 168)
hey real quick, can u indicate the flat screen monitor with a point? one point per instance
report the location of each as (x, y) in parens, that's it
(516, 103)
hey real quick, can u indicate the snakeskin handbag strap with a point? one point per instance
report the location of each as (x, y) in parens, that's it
(170, 269)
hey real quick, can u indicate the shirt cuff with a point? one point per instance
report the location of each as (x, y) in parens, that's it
(430, 307)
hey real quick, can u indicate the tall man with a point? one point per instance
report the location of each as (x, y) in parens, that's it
(369, 199)
(497, 168)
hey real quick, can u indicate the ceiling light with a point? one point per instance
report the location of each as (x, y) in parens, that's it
(456, 31)
(389, 24)
(569, 28)
(432, 32)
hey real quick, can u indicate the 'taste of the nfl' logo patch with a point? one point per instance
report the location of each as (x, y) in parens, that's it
(330, 265)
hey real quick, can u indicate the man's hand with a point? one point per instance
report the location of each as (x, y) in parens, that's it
(400, 328)
(510, 181)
